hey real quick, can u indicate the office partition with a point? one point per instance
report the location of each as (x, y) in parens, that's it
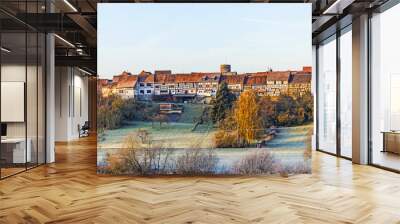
(326, 110)
(22, 77)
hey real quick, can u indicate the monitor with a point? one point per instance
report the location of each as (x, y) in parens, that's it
(3, 129)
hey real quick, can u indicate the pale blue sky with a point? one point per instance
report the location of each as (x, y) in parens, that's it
(200, 37)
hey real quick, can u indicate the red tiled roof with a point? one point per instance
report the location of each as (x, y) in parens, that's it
(164, 78)
(126, 79)
(143, 75)
(149, 79)
(307, 69)
(259, 73)
(187, 77)
(167, 72)
(116, 78)
(209, 76)
(278, 76)
(146, 77)
(261, 78)
(233, 79)
(301, 78)
(256, 80)
(127, 82)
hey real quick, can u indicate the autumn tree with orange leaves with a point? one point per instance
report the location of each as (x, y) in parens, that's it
(247, 117)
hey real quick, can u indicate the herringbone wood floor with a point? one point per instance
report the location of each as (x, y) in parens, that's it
(69, 191)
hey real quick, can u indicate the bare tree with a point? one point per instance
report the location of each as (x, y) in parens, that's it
(197, 162)
(140, 156)
(256, 163)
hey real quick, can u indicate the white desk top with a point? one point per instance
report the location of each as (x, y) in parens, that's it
(13, 140)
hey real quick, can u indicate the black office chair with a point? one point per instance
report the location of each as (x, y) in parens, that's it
(84, 130)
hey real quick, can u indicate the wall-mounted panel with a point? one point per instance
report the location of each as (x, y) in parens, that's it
(12, 101)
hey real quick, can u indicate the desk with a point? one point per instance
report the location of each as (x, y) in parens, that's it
(391, 141)
(13, 150)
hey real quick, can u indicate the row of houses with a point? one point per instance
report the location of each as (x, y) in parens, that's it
(147, 85)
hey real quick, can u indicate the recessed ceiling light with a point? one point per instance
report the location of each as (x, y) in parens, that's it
(84, 71)
(5, 50)
(64, 40)
(70, 5)
(337, 7)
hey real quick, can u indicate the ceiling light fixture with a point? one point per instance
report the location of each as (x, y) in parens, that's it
(70, 5)
(79, 51)
(64, 40)
(337, 7)
(84, 71)
(5, 50)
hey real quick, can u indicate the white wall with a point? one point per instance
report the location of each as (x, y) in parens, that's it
(80, 104)
(71, 102)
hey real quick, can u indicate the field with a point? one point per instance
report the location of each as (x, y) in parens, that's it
(172, 135)
(179, 134)
(180, 141)
(287, 147)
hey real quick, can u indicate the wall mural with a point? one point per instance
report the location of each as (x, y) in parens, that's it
(173, 113)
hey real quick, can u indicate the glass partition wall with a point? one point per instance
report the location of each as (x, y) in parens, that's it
(22, 77)
(334, 88)
(345, 91)
(327, 96)
(385, 89)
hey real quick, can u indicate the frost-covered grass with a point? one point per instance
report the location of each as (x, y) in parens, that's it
(284, 155)
(172, 135)
(191, 111)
